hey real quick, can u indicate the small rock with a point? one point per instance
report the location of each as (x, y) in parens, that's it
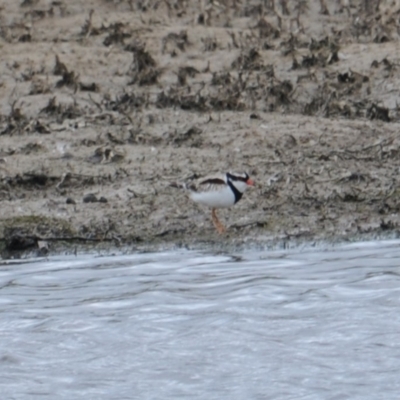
(70, 200)
(103, 200)
(43, 248)
(90, 198)
(18, 242)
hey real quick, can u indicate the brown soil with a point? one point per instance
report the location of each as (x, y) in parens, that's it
(104, 103)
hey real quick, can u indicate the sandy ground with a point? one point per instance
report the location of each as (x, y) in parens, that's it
(104, 103)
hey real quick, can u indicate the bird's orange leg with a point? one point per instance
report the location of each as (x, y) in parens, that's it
(217, 223)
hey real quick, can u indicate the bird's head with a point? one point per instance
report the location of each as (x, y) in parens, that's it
(241, 181)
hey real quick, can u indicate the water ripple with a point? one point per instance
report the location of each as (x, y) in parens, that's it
(305, 324)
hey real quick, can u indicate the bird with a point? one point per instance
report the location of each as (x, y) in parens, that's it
(220, 191)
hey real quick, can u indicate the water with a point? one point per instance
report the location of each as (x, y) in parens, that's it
(311, 324)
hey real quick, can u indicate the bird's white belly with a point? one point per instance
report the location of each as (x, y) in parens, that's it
(216, 199)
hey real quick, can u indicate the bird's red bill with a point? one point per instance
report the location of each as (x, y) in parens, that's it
(250, 182)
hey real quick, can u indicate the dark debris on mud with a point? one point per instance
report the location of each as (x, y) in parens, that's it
(310, 88)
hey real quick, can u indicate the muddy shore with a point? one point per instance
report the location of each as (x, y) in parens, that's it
(104, 103)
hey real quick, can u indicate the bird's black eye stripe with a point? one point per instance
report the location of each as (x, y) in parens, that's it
(237, 178)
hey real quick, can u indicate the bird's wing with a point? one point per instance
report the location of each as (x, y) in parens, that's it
(212, 181)
(210, 184)
(205, 184)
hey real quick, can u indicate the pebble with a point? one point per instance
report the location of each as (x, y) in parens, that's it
(90, 198)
